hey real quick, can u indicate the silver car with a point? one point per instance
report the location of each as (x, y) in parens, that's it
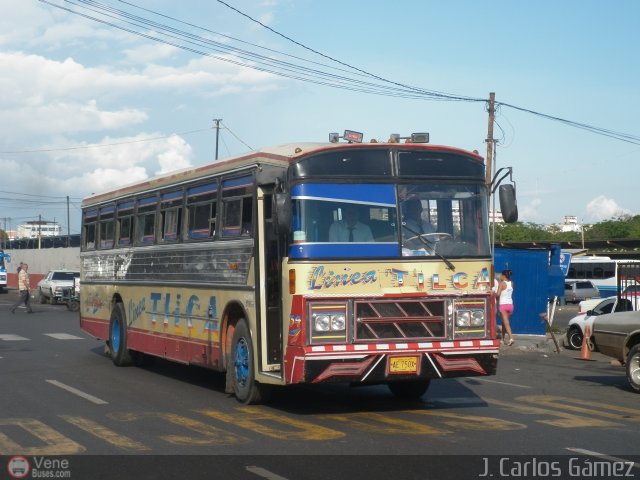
(577, 290)
(617, 335)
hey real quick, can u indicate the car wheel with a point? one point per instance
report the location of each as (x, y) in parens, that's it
(574, 338)
(633, 368)
(41, 298)
(409, 390)
(245, 387)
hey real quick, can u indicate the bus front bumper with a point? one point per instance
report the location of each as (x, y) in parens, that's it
(382, 363)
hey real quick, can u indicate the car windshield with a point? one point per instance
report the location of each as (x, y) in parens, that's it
(604, 307)
(64, 275)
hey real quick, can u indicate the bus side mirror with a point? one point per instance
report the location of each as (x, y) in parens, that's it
(282, 209)
(508, 205)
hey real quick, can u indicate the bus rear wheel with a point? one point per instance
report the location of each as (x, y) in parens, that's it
(409, 390)
(245, 387)
(120, 354)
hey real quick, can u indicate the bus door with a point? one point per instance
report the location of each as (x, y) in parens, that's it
(269, 293)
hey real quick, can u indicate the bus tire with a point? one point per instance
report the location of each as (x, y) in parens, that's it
(633, 368)
(120, 354)
(245, 387)
(410, 389)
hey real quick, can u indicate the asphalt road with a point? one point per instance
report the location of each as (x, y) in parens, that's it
(62, 396)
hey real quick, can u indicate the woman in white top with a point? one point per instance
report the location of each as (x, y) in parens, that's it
(504, 293)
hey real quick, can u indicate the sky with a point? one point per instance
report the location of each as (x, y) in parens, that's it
(86, 107)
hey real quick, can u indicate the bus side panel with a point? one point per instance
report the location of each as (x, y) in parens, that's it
(96, 328)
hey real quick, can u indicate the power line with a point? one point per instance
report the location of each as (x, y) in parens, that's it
(236, 137)
(195, 44)
(199, 45)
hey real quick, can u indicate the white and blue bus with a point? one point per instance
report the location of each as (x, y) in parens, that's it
(602, 271)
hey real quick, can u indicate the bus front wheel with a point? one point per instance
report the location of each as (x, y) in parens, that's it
(120, 354)
(245, 387)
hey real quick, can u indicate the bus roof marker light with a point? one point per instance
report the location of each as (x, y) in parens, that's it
(353, 137)
(349, 135)
(420, 137)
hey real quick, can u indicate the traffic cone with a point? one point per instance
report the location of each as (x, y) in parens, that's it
(585, 351)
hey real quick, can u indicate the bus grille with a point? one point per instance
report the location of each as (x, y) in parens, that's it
(400, 320)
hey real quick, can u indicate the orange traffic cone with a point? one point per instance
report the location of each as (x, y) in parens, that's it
(585, 351)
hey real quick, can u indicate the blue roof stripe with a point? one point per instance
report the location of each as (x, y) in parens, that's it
(202, 189)
(379, 194)
(343, 250)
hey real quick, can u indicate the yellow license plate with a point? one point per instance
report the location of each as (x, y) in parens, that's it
(403, 364)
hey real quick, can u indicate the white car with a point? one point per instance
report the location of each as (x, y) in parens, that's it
(52, 287)
(585, 305)
(578, 324)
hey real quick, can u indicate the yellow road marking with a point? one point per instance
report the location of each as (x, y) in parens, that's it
(103, 433)
(471, 422)
(256, 419)
(606, 410)
(378, 423)
(54, 442)
(210, 434)
(563, 419)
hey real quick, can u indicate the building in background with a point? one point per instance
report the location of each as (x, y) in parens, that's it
(38, 228)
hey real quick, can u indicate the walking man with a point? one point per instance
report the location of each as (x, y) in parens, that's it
(24, 288)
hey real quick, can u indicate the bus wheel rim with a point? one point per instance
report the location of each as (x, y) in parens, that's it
(115, 336)
(241, 362)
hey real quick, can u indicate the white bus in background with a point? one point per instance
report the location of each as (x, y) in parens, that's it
(602, 271)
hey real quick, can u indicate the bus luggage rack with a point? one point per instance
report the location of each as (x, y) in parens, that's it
(400, 320)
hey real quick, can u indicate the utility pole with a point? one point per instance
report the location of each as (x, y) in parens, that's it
(217, 121)
(490, 141)
(39, 231)
(68, 226)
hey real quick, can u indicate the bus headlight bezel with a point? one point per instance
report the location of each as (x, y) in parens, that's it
(328, 323)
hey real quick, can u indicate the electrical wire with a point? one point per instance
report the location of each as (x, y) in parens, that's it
(199, 45)
(236, 137)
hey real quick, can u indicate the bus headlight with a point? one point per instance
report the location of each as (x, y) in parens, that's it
(338, 322)
(321, 323)
(477, 318)
(470, 323)
(463, 319)
(328, 322)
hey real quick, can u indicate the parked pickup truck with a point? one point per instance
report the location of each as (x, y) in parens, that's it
(52, 287)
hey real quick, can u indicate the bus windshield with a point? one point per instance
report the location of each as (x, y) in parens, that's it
(333, 220)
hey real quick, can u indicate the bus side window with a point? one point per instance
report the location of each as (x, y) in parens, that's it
(232, 226)
(237, 198)
(124, 230)
(145, 226)
(106, 233)
(171, 216)
(202, 211)
(90, 236)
